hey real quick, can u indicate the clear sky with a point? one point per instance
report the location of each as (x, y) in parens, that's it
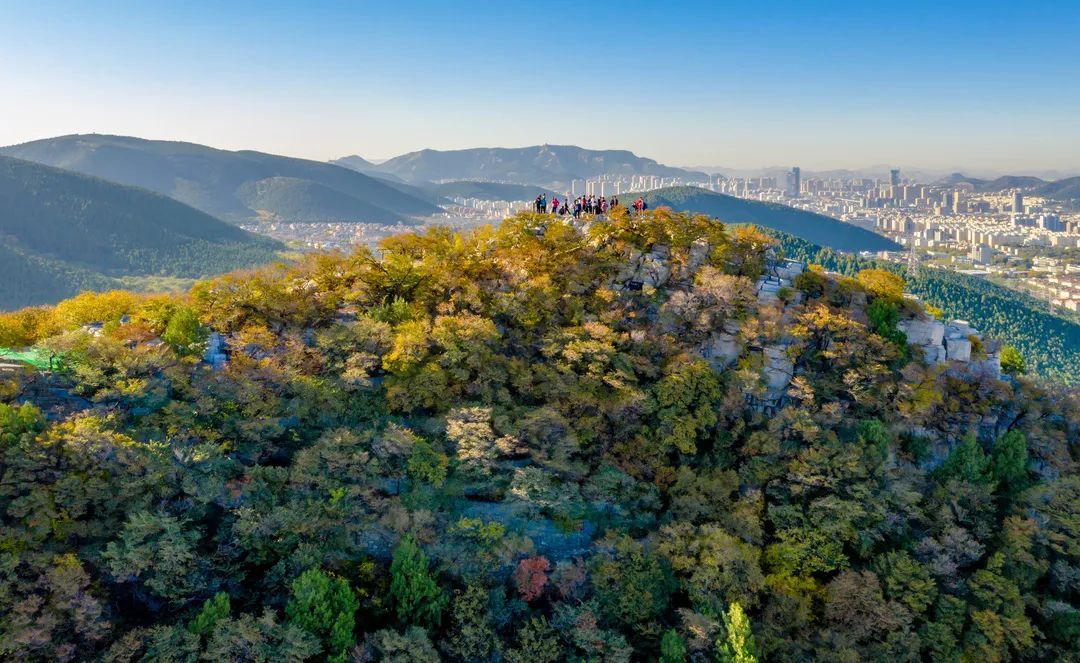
(990, 85)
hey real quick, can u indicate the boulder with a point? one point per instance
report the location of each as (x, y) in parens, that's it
(958, 349)
(699, 253)
(923, 332)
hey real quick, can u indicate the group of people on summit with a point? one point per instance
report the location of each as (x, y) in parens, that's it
(582, 205)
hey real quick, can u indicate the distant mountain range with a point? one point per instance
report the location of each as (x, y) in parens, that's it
(812, 227)
(1065, 191)
(234, 186)
(61, 232)
(998, 184)
(544, 165)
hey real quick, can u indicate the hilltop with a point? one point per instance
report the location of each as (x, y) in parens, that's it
(640, 438)
(61, 232)
(812, 227)
(541, 165)
(219, 182)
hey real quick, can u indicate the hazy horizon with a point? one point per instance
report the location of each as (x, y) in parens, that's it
(980, 87)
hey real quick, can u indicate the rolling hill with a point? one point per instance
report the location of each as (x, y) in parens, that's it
(812, 227)
(547, 165)
(61, 232)
(1065, 191)
(219, 182)
(292, 199)
(990, 186)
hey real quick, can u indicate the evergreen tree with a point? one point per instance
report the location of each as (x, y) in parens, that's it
(672, 647)
(967, 462)
(214, 610)
(1009, 458)
(325, 606)
(419, 599)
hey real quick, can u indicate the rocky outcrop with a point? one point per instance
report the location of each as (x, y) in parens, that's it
(956, 341)
(777, 275)
(650, 269)
(723, 346)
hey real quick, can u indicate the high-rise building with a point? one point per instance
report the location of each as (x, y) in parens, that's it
(794, 182)
(894, 177)
(1018, 203)
(958, 206)
(1051, 222)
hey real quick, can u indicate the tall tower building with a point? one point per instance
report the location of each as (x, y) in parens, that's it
(794, 182)
(1018, 203)
(894, 178)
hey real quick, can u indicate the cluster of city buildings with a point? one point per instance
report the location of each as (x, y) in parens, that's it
(1017, 238)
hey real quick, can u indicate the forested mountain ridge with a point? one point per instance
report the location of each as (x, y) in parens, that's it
(540, 442)
(810, 226)
(62, 232)
(212, 180)
(541, 165)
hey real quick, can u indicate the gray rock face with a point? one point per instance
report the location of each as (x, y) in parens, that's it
(778, 371)
(788, 269)
(958, 349)
(699, 253)
(215, 354)
(652, 269)
(722, 350)
(923, 332)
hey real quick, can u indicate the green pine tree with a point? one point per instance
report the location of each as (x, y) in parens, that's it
(324, 605)
(672, 647)
(419, 599)
(213, 610)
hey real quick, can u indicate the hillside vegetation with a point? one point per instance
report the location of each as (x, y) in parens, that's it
(1050, 343)
(540, 442)
(219, 182)
(812, 227)
(61, 232)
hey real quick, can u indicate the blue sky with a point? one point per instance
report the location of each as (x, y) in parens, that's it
(982, 85)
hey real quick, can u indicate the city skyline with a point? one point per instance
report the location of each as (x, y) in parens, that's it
(978, 86)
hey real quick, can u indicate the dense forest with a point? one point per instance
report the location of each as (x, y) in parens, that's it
(62, 232)
(533, 443)
(1050, 343)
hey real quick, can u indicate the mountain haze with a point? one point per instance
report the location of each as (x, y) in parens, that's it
(61, 232)
(219, 182)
